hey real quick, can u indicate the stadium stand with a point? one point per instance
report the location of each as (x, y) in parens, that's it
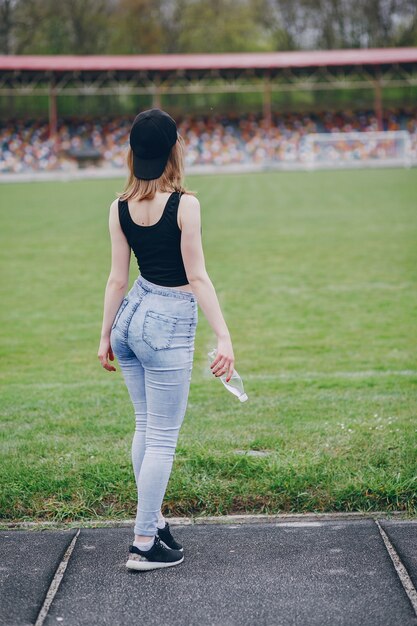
(211, 139)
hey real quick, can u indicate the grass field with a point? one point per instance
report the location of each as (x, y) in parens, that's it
(316, 274)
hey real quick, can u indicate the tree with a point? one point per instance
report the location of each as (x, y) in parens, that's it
(223, 25)
(329, 24)
(169, 26)
(50, 27)
(137, 27)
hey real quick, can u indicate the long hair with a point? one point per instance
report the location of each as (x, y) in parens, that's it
(171, 178)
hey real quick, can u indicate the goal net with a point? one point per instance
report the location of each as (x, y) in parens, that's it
(357, 149)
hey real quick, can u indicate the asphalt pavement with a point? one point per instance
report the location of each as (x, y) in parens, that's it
(333, 572)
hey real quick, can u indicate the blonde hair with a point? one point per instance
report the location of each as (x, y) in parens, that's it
(171, 178)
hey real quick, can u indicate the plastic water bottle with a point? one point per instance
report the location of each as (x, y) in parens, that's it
(235, 384)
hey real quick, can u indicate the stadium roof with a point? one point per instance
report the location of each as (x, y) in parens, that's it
(156, 75)
(213, 61)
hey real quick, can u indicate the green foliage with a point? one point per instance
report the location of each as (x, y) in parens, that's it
(223, 26)
(169, 26)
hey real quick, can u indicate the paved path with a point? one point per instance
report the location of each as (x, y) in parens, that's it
(318, 573)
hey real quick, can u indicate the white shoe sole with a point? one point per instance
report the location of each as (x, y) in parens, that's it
(148, 565)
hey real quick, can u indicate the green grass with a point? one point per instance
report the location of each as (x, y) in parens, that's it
(316, 274)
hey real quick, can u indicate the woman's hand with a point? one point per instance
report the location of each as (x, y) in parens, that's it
(225, 359)
(104, 353)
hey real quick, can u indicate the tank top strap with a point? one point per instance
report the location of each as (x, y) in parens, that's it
(171, 210)
(173, 202)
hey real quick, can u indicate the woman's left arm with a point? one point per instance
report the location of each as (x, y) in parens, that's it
(117, 284)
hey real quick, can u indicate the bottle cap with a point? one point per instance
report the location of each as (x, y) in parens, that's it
(243, 397)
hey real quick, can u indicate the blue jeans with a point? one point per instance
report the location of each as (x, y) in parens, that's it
(152, 337)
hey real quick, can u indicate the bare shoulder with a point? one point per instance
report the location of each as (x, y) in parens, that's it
(189, 210)
(114, 205)
(114, 214)
(190, 202)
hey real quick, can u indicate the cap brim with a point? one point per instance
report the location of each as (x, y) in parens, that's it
(149, 169)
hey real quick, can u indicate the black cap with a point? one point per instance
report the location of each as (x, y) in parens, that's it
(152, 136)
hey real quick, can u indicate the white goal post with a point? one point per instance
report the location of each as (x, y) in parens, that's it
(357, 149)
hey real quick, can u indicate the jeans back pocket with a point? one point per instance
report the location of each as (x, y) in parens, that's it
(158, 329)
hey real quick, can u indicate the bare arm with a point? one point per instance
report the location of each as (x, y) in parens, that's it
(117, 283)
(194, 263)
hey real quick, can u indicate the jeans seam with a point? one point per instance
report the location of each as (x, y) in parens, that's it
(173, 294)
(119, 312)
(129, 319)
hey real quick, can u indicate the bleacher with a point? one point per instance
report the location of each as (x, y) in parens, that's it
(210, 139)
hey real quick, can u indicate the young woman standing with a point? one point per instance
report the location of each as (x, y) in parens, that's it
(151, 330)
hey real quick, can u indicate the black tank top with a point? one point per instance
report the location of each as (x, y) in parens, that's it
(157, 247)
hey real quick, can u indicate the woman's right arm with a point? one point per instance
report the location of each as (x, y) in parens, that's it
(194, 263)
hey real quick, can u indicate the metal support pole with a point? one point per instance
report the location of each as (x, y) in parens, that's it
(378, 103)
(53, 116)
(267, 100)
(156, 95)
(156, 100)
(267, 111)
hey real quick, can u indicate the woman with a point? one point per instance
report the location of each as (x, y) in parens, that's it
(152, 329)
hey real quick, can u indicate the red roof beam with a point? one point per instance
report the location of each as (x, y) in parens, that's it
(234, 60)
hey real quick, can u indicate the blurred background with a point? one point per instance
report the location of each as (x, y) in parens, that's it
(237, 106)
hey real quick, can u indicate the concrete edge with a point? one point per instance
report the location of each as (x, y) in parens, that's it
(212, 519)
(56, 581)
(400, 568)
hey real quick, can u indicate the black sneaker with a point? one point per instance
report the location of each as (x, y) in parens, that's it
(158, 556)
(165, 536)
